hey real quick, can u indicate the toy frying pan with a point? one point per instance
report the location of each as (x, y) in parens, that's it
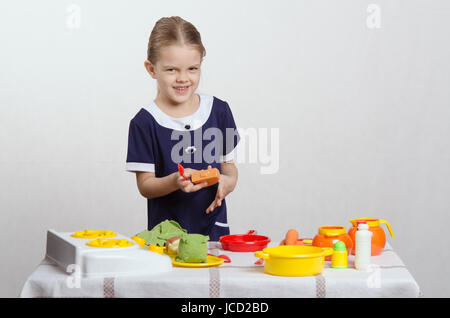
(249, 242)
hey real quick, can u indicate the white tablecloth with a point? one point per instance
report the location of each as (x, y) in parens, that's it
(387, 277)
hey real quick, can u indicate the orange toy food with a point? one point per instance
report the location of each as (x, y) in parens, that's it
(328, 235)
(291, 237)
(211, 176)
(378, 235)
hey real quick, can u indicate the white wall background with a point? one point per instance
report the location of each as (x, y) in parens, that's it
(363, 115)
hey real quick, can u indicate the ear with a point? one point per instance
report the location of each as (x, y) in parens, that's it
(150, 68)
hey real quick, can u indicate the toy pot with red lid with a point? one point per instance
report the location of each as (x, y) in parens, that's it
(329, 235)
(378, 235)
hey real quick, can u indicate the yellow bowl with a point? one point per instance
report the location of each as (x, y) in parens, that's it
(295, 260)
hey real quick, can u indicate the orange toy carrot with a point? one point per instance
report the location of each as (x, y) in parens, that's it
(291, 237)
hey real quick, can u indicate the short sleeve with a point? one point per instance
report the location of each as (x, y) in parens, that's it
(140, 156)
(230, 135)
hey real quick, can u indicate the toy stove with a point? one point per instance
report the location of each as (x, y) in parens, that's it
(102, 253)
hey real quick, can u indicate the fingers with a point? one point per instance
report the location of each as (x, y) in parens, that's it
(211, 207)
(187, 186)
(220, 196)
(198, 186)
(182, 183)
(188, 172)
(217, 202)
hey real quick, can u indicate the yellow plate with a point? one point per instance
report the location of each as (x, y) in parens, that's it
(211, 261)
(156, 249)
(91, 234)
(109, 243)
(139, 240)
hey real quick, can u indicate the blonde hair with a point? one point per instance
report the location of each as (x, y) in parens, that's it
(173, 30)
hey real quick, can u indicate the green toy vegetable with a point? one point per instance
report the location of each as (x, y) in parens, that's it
(161, 233)
(193, 248)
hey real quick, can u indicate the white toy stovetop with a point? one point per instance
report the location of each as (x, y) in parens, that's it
(66, 250)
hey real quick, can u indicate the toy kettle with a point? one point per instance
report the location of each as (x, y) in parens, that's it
(378, 235)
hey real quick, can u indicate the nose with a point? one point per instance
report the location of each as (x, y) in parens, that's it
(182, 77)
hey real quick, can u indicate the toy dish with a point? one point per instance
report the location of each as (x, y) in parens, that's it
(211, 261)
(244, 242)
(90, 234)
(109, 243)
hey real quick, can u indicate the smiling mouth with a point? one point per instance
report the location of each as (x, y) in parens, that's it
(181, 89)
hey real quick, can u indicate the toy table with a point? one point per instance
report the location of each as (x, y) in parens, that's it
(387, 277)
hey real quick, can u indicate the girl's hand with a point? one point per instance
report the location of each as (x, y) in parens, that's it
(223, 190)
(187, 185)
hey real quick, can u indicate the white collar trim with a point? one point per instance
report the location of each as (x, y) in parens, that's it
(195, 121)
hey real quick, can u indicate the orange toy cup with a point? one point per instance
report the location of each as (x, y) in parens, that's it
(378, 235)
(328, 235)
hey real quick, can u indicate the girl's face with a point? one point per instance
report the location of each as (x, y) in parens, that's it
(177, 73)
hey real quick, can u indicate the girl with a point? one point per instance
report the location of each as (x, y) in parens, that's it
(174, 57)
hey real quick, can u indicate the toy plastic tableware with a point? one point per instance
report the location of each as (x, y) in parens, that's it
(293, 260)
(378, 236)
(226, 259)
(329, 235)
(249, 242)
(211, 260)
(109, 243)
(92, 234)
(340, 255)
(139, 240)
(305, 241)
(156, 249)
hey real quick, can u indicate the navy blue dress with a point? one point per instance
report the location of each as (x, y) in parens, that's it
(158, 142)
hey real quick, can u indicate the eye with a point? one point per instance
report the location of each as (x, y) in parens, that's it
(193, 68)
